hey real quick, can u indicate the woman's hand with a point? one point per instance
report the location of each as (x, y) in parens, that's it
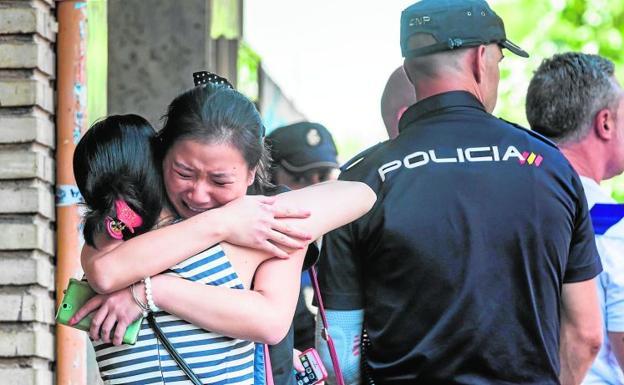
(297, 361)
(113, 311)
(254, 221)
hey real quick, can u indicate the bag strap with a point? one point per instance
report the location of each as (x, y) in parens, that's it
(267, 366)
(172, 351)
(325, 331)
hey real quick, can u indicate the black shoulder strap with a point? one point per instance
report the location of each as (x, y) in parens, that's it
(172, 351)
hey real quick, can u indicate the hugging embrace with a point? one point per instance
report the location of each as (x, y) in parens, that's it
(183, 226)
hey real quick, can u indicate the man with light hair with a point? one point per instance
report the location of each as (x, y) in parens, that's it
(575, 100)
(479, 249)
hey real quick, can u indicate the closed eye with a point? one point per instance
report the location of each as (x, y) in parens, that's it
(183, 175)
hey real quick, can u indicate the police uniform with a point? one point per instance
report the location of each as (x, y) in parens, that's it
(460, 263)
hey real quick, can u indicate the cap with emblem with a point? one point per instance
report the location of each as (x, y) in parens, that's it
(302, 146)
(453, 24)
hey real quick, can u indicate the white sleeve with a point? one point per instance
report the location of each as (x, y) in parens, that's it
(346, 331)
(611, 250)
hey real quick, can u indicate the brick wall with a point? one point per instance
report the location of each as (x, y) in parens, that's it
(27, 68)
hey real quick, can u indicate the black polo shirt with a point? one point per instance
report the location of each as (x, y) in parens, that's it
(460, 264)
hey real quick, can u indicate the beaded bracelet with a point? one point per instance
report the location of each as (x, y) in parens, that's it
(141, 305)
(148, 295)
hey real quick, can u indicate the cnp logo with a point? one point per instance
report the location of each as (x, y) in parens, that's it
(463, 155)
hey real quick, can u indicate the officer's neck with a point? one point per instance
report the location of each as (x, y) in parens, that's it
(437, 85)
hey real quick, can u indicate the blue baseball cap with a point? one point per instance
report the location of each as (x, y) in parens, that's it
(453, 24)
(303, 146)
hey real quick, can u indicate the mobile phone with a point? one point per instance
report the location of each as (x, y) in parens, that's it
(314, 370)
(74, 297)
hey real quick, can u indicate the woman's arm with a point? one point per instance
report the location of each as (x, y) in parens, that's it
(265, 314)
(331, 205)
(249, 221)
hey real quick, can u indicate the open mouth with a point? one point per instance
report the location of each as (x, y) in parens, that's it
(194, 209)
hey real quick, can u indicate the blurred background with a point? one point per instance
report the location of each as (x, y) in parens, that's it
(65, 64)
(328, 61)
(332, 58)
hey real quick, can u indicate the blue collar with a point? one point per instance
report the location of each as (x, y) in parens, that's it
(436, 103)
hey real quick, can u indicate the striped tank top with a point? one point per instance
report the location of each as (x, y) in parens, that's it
(215, 359)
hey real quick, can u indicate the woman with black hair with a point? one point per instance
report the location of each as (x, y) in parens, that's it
(211, 151)
(115, 160)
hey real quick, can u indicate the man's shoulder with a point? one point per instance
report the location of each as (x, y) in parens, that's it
(356, 168)
(543, 148)
(532, 134)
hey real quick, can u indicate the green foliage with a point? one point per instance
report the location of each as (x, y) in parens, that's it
(97, 60)
(546, 27)
(248, 63)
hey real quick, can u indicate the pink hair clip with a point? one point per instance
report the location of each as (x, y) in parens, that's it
(126, 218)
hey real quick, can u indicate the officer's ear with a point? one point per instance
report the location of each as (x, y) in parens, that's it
(479, 63)
(604, 124)
(407, 73)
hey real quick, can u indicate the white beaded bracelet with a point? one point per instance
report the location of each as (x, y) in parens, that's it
(148, 295)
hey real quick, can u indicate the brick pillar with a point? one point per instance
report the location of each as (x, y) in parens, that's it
(27, 68)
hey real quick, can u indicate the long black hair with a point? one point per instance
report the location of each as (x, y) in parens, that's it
(215, 113)
(115, 160)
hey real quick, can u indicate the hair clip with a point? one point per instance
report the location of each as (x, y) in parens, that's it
(204, 77)
(126, 218)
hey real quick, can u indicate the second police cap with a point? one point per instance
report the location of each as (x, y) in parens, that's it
(453, 24)
(303, 146)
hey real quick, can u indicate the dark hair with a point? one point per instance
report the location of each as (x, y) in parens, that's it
(214, 113)
(566, 92)
(115, 160)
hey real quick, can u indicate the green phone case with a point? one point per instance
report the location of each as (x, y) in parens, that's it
(76, 295)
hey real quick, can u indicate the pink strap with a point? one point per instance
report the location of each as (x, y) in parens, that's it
(325, 331)
(267, 366)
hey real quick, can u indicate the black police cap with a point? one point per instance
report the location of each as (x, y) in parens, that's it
(453, 24)
(303, 146)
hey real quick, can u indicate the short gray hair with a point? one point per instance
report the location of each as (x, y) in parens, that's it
(567, 91)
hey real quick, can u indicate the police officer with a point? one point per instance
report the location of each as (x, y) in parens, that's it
(479, 250)
(302, 154)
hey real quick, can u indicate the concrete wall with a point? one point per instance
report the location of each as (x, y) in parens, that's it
(27, 68)
(154, 47)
